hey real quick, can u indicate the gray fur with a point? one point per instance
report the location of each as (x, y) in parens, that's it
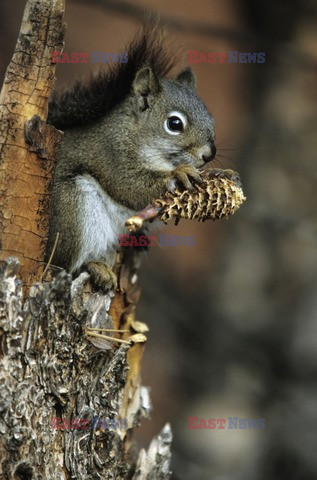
(121, 162)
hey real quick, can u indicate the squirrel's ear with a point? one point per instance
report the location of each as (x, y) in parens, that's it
(146, 87)
(187, 77)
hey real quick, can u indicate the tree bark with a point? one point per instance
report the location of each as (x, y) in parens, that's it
(28, 144)
(50, 370)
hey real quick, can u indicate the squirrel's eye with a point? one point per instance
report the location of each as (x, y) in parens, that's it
(175, 123)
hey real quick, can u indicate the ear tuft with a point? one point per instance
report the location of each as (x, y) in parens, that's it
(146, 87)
(187, 78)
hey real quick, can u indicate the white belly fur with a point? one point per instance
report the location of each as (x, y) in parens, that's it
(103, 222)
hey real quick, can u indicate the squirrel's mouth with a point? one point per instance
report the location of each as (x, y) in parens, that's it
(185, 158)
(198, 156)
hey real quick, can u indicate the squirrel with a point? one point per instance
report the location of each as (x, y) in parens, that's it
(130, 134)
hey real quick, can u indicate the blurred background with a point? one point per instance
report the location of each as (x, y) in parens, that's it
(233, 320)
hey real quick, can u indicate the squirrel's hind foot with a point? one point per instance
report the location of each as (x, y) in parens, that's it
(102, 275)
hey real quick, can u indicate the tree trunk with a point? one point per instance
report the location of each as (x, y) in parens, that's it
(28, 144)
(68, 404)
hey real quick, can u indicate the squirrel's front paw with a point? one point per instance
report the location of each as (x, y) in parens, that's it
(229, 174)
(102, 276)
(181, 176)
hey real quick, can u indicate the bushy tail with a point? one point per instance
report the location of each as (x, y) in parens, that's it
(87, 101)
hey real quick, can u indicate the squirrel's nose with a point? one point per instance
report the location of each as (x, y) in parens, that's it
(207, 153)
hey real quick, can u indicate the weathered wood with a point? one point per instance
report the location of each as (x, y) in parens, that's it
(49, 368)
(28, 146)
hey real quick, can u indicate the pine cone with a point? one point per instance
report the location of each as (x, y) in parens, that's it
(219, 195)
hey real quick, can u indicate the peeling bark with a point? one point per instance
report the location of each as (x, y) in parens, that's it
(28, 146)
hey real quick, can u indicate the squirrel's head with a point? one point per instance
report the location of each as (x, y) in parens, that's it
(172, 122)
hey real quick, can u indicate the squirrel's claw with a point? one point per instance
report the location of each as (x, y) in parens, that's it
(102, 276)
(229, 174)
(181, 175)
